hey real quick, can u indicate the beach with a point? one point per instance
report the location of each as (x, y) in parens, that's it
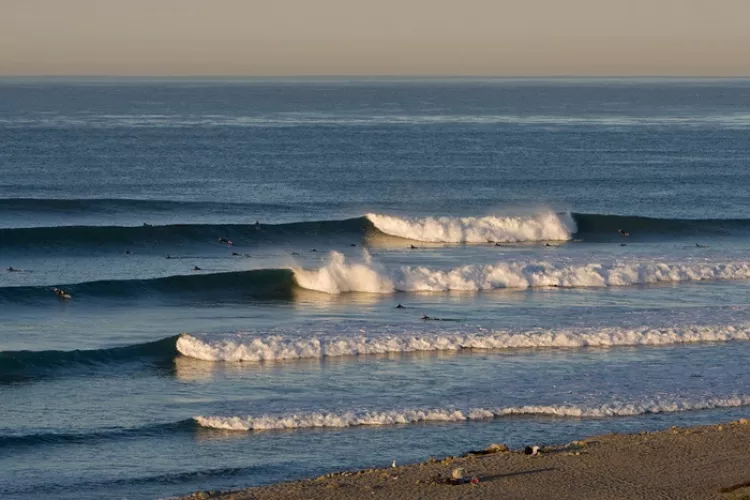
(694, 462)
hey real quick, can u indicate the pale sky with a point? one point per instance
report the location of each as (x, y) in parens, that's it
(376, 37)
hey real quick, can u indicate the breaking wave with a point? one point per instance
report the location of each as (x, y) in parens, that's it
(403, 417)
(256, 348)
(542, 226)
(340, 275)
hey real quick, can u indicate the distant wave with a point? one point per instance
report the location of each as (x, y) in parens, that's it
(536, 227)
(732, 120)
(403, 417)
(543, 226)
(256, 348)
(341, 275)
(16, 366)
(119, 238)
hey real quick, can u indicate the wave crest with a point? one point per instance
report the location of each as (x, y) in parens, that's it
(340, 276)
(403, 417)
(255, 348)
(543, 226)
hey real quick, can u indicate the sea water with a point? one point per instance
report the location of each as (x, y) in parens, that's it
(571, 258)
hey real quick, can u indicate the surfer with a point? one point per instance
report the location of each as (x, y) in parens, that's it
(61, 294)
(223, 240)
(698, 245)
(413, 247)
(426, 318)
(196, 268)
(314, 250)
(12, 269)
(128, 252)
(623, 233)
(169, 257)
(235, 254)
(400, 307)
(257, 225)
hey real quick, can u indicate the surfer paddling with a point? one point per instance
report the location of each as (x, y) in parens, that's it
(224, 241)
(623, 233)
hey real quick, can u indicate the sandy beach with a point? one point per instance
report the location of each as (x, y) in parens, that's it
(678, 463)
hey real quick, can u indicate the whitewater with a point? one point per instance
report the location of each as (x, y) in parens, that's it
(341, 275)
(274, 347)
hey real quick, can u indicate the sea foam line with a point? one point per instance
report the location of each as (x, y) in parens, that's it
(543, 226)
(341, 275)
(253, 348)
(413, 416)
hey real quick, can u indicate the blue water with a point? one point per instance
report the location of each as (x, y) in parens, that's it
(491, 208)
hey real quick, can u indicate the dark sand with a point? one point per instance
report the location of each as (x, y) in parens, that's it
(710, 462)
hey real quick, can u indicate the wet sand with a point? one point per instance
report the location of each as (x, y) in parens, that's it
(679, 463)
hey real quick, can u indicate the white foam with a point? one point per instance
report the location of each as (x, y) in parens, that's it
(255, 348)
(340, 275)
(544, 226)
(402, 417)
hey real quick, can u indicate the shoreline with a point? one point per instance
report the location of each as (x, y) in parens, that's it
(701, 462)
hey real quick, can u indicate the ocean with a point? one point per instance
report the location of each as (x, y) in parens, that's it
(570, 258)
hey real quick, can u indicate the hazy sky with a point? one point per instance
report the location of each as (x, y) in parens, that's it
(376, 37)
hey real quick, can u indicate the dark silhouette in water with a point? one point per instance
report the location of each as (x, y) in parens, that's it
(413, 247)
(223, 240)
(698, 245)
(12, 269)
(128, 252)
(196, 268)
(314, 250)
(61, 294)
(400, 307)
(623, 233)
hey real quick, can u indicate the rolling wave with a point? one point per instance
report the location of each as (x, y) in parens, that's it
(538, 227)
(256, 348)
(414, 416)
(342, 275)
(16, 366)
(229, 286)
(25, 365)
(543, 226)
(122, 237)
(36, 439)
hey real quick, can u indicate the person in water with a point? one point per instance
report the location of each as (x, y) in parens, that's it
(623, 233)
(223, 240)
(61, 294)
(12, 269)
(196, 268)
(400, 307)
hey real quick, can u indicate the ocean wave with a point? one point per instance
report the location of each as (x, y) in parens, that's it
(119, 238)
(24, 365)
(341, 275)
(257, 348)
(536, 227)
(36, 439)
(414, 416)
(543, 226)
(234, 286)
